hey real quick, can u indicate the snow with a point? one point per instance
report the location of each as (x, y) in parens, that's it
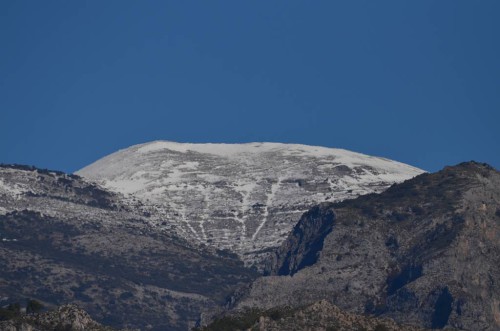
(269, 202)
(3, 211)
(242, 197)
(12, 190)
(225, 150)
(245, 189)
(235, 150)
(127, 186)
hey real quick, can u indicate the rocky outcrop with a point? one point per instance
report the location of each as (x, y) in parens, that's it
(64, 318)
(304, 244)
(425, 252)
(320, 316)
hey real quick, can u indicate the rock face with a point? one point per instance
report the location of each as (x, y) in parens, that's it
(63, 239)
(67, 318)
(320, 316)
(425, 252)
(242, 197)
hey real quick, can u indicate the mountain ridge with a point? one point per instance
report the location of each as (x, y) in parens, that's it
(423, 252)
(66, 240)
(241, 197)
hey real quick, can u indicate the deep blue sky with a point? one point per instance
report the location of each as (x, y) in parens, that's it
(414, 81)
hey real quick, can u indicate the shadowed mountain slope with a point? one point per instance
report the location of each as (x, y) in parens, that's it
(424, 252)
(319, 316)
(63, 239)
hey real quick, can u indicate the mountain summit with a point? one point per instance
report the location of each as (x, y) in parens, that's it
(242, 197)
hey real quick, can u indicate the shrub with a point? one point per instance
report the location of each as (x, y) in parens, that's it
(12, 311)
(381, 327)
(33, 307)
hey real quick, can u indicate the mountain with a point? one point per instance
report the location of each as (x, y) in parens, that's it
(241, 197)
(66, 240)
(424, 252)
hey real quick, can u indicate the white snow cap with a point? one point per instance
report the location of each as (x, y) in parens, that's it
(244, 197)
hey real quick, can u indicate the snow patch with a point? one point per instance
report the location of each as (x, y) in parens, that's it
(14, 190)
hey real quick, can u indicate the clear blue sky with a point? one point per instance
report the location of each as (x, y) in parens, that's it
(414, 81)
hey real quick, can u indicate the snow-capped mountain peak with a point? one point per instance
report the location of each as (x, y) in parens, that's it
(243, 197)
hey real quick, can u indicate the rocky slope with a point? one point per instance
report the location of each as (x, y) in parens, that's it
(63, 239)
(425, 252)
(242, 197)
(320, 316)
(64, 318)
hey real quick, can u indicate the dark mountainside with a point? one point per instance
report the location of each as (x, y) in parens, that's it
(64, 240)
(425, 252)
(320, 316)
(64, 318)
